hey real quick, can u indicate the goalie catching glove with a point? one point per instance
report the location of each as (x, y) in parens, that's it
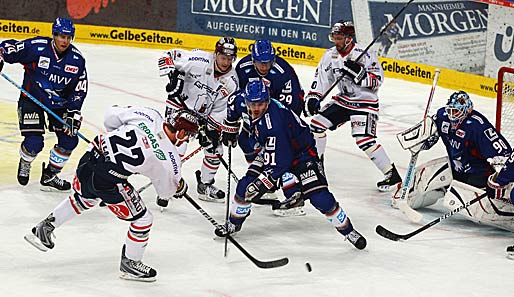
(73, 120)
(263, 184)
(354, 70)
(230, 133)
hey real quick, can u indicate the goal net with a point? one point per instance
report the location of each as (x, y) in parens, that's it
(505, 104)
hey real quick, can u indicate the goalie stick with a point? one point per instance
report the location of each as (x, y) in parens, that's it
(404, 207)
(261, 264)
(397, 237)
(367, 48)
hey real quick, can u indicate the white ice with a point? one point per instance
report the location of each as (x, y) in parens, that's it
(453, 258)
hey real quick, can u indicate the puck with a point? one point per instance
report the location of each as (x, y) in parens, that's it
(308, 266)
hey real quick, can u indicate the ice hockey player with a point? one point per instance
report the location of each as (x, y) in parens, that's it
(356, 102)
(237, 111)
(138, 141)
(55, 74)
(202, 82)
(276, 73)
(287, 146)
(474, 148)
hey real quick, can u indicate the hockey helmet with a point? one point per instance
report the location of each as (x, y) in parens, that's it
(226, 46)
(63, 26)
(256, 92)
(459, 106)
(342, 27)
(184, 120)
(263, 51)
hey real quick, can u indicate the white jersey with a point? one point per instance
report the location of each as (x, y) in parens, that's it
(137, 141)
(361, 97)
(206, 94)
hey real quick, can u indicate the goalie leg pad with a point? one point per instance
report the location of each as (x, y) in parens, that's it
(499, 215)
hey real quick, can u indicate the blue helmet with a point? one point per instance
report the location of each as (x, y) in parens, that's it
(263, 51)
(256, 92)
(63, 26)
(459, 106)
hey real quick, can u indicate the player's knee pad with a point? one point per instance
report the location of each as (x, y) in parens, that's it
(139, 229)
(211, 159)
(367, 144)
(318, 130)
(125, 203)
(364, 124)
(59, 156)
(66, 142)
(429, 184)
(323, 201)
(32, 145)
(80, 203)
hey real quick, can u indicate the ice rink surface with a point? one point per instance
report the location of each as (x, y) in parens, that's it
(453, 258)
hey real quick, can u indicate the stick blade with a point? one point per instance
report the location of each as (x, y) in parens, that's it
(272, 264)
(387, 234)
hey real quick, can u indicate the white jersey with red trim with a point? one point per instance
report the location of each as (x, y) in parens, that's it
(203, 92)
(136, 140)
(361, 97)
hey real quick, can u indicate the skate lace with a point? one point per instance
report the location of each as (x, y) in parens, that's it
(139, 266)
(211, 189)
(353, 236)
(24, 169)
(56, 180)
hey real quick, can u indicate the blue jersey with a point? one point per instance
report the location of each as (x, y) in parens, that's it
(281, 79)
(64, 74)
(286, 140)
(470, 145)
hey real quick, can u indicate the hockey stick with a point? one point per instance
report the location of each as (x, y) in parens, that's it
(40, 104)
(404, 207)
(396, 237)
(228, 198)
(367, 48)
(258, 263)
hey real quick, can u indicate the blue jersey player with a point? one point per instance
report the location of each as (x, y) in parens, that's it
(278, 75)
(55, 74)
(287, 146)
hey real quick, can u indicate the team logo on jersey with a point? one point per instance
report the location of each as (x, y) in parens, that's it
(491, 134)
(71, 69)
(31, 118)
(44, 62)
(460, 133)
(445, 127)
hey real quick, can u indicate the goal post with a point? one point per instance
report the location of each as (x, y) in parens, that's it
(505, 103)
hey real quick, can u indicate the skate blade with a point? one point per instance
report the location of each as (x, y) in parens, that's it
(209, 199)
(35, 242)
(292, 212)
(130, 277)
(387, 188)
(52, 189)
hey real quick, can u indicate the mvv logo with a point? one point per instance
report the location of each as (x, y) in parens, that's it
(501, 42)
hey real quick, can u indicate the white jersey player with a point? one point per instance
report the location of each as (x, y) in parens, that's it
(202, 82)
(356, 101)
(138, 141)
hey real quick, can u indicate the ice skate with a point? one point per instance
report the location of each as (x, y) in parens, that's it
(232, 228)
(41, 235)
(510, 252)
(290, 207)
(135, 270)
(356, 239)
(23, 172)
(209, 192)
(391, 178)
(50, 182)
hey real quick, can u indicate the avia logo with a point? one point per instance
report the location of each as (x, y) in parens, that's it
(31, 116)
(502, 42)
(79, 9)
(305, 12)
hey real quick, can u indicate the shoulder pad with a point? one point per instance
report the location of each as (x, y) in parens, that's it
(478, 118)
(76, 51)
(39, 41)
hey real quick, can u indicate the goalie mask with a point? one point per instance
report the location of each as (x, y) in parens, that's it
(458, 108)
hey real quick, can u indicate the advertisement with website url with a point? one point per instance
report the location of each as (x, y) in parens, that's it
(154, 39)
(450, 79)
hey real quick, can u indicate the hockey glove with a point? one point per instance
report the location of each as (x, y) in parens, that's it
(494, 190)
(312, 104)
(429, 143)
(73, 120)
(181, 190)
(354, 70)
(208, 138)
(263, 184)
(230, 133)
(176, 84)
(166, 64)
